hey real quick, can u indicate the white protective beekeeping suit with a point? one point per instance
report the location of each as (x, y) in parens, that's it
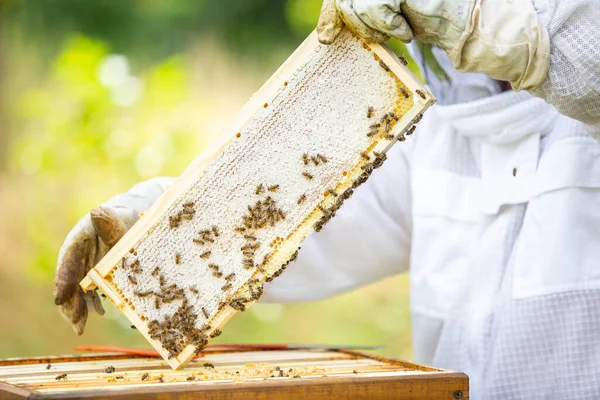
(493, 207)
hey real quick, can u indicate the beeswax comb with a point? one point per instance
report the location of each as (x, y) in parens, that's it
(236, 217)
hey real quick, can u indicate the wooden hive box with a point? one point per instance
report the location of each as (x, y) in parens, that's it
(238, 215)
(278, 374)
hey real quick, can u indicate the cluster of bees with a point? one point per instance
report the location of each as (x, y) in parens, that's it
(167, 294)
(386, 121)
(307, 160)
(179, 330)
(282, 268)
(330, 212)
(186, 213)
(134, 269)
(316, 160)
(263, 213)
(207, 236)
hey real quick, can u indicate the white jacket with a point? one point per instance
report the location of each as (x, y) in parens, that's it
(494, 208)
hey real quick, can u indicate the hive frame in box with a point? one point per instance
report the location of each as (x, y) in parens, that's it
(99, 276)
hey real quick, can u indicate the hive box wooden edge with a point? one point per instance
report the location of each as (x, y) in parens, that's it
(348, 374)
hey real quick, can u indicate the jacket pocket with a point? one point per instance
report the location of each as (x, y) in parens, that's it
(559, 245)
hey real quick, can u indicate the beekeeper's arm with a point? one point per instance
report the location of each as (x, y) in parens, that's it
(550, 48)
(368, 240)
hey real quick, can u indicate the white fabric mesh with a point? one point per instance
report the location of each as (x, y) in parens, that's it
(541, 348)
(573, 81)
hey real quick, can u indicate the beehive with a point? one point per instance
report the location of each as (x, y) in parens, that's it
(280, 374)
(237, 216)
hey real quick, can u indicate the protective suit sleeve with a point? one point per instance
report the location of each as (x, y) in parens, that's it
(368, 240)
(572, 84)
(550, 48)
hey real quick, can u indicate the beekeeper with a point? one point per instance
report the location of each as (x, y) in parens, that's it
(493, 206)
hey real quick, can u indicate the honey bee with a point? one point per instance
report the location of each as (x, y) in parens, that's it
(333, 192)
(315, 160)
(266, 258)
(273, 188)
(372, 133)
(365, 156)
(177, 258)
(205, 312)
(119, 377)
(230, 277)
(161, 380)
(155, 271)
(260, 189)
(156, 303)
(217, 274)
(404, 93)
(411, 130)
(391, 114)
(384, 66)
(249, 237)
(48, 366)
(190, 378)
(305, 158)
(213, 266)
(301, 199)
(194, 291)
(418, 118)
(209, 365)
(133, 327)
(354, 371)
(370, 111)
(387, 127)
(145, 376)
(205, 255)
(307, 175)
(174, 222)
(110, 369)
(61, 377)
(322, 158)
(215, 231)
(403, 60)
(375, 125)
(240, 229)
(401, 138)
(389, 137)
(132, 279)
(197, 241)
(216, 333)
(421, 94)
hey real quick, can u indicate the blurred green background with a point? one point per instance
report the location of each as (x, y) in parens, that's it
(96, 95)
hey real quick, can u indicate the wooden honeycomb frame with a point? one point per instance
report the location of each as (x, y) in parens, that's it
(100, 276)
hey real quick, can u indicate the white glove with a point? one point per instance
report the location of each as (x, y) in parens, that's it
(90, 239)
(504, 39)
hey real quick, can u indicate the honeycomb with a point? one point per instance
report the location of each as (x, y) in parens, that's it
(282, 176)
